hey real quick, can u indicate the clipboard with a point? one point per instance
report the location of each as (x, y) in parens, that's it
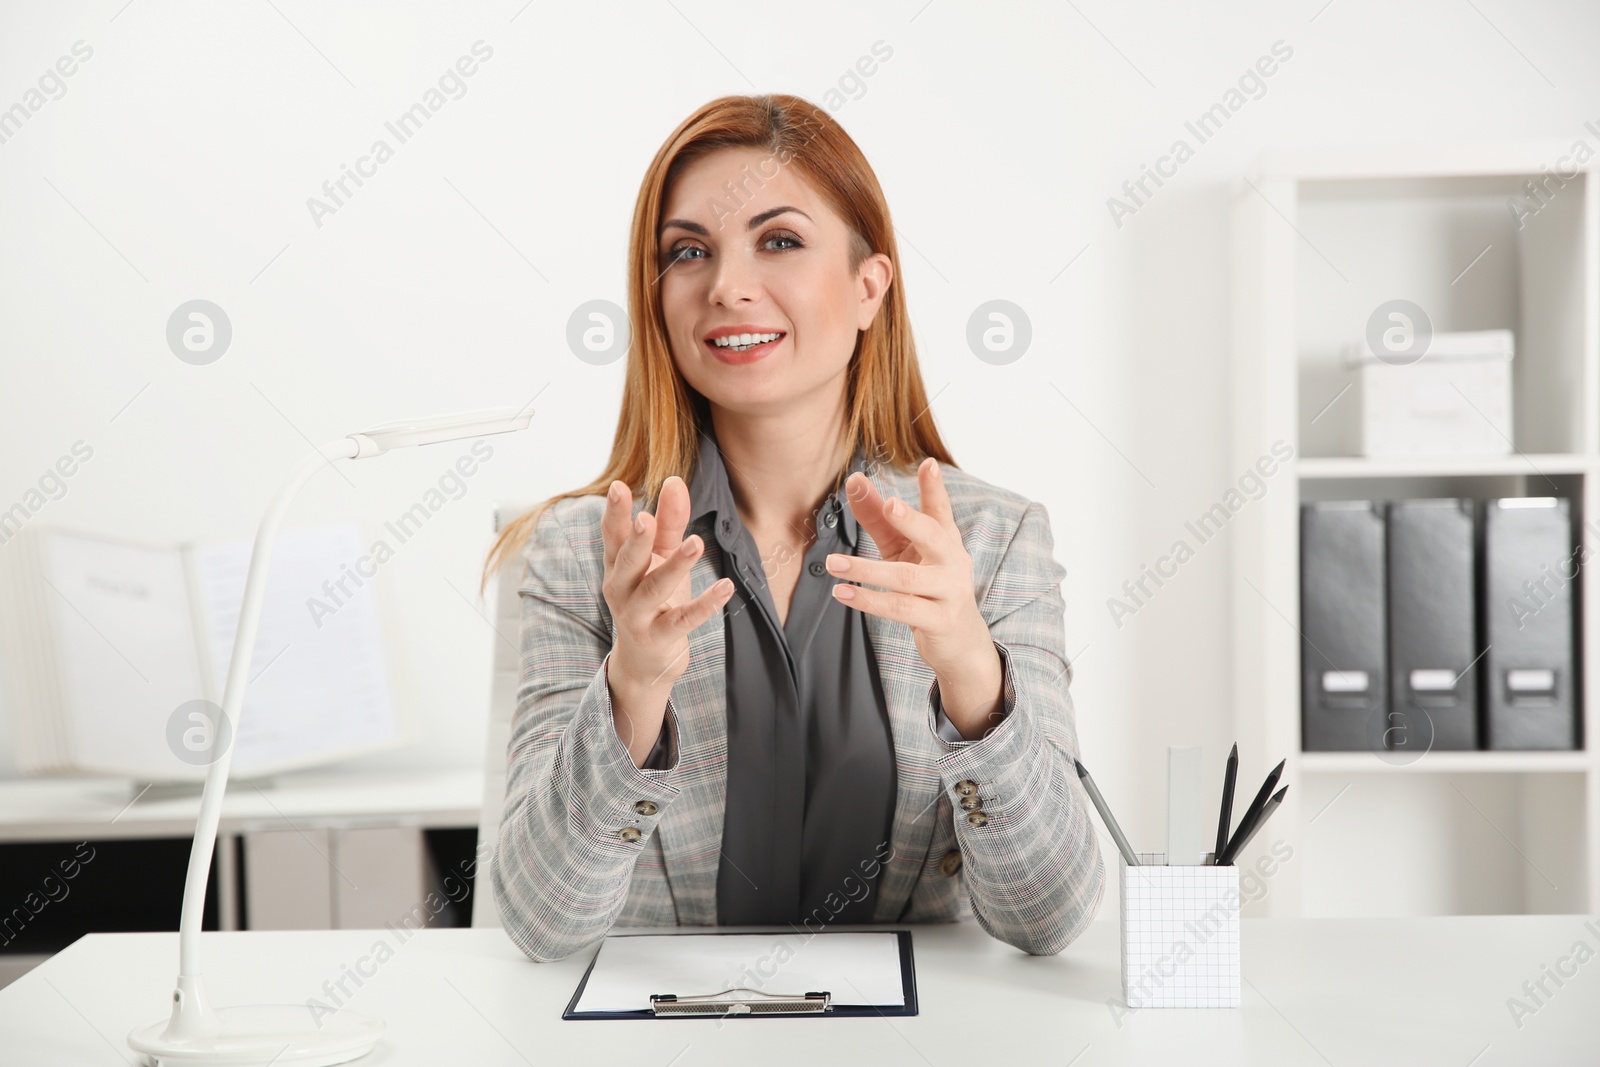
(739, 1002)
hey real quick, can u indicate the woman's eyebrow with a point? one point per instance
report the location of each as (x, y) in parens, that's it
(756, 220)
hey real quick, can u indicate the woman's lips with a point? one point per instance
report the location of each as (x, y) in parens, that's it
(749, 355)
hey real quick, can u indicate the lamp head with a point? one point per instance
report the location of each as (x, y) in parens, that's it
(439, 428)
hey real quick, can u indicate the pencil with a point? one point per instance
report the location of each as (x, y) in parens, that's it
(1253, 812)
(1261, 820)
(1228, 779)
(1106, 816)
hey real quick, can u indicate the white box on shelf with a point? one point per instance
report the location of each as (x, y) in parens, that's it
(1453, 400)
(1180, 934)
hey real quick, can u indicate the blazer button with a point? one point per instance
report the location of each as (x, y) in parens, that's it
(951, 863)
(972, 803)
(966, 787)
(977, 818)
(645, 807)
(629, 834)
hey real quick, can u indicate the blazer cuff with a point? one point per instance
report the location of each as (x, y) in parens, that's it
(946, 731)
(998, 773)
(620, 794)
(664, 756)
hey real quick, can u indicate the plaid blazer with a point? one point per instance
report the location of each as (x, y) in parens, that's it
(589, 840)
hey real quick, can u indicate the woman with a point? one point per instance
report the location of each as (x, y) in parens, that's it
(772, 693)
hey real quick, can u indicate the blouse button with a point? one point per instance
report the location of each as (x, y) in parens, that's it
(645, 807)
(629, 834)
(977, 818)
(971, 803)
(966, 787)
(830, 519)
(951, 863)
(817, 570)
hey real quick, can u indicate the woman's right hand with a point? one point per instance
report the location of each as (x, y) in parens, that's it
(647, 587)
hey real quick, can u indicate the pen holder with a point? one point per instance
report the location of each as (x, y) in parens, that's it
(1180, 934)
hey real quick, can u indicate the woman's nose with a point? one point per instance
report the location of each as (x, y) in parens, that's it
(736, 279)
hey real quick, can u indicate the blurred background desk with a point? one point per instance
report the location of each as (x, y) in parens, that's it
(310, 850)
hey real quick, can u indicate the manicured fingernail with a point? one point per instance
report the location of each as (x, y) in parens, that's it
(838, 564)
(896, 506)
(638, 523)
(725, 586)
(616, 493)
(845, 592)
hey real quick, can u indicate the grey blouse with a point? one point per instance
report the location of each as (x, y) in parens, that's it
(811, 768)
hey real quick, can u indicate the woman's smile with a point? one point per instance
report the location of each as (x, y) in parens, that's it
(741, 344)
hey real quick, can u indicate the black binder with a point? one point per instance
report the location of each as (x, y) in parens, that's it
(1344, 691)
(1433, 647)
(1530, 581)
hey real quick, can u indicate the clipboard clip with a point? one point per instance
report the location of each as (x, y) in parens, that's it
(757, 1003)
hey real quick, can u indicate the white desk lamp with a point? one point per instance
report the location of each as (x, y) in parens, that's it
(279, 1034)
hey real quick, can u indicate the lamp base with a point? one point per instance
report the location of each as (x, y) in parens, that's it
(261, 1034)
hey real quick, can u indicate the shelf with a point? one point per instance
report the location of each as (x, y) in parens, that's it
(1448, 763)
(1319, 467)
(1330, 236)
(1444, 164)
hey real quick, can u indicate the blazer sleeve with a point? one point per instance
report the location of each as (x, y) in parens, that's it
(1030, 857)
(578, 811)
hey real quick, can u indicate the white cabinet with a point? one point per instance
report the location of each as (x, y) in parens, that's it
(336, 879)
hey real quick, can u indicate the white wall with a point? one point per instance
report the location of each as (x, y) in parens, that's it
(178, 164)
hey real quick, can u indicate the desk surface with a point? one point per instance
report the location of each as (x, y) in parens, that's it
(1316, 991)
(95, 809)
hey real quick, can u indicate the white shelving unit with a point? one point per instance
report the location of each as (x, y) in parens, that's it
(1322, 237)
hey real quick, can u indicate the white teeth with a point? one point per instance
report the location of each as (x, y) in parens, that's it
(742, 341)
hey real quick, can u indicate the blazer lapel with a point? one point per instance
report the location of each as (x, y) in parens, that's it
(691, 837)
(691, 844)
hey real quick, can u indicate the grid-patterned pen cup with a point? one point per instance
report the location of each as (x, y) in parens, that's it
(1180, 934)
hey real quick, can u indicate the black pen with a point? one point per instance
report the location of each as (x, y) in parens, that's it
(1252, 813)
(1266, 813)
(1228, 779)
(1105, 815)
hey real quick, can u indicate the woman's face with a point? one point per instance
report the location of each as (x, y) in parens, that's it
(746, 247)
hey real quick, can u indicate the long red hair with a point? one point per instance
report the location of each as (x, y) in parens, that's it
(659, 427)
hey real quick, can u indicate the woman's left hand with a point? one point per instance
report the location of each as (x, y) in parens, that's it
(925, 570)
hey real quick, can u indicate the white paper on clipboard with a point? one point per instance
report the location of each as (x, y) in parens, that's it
(855, 967)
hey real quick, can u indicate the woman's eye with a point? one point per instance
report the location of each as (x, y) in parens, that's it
(694, 253)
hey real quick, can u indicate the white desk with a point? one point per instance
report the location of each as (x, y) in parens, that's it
(1317, 991)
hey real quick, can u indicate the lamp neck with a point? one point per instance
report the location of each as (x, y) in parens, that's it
(216, 784)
